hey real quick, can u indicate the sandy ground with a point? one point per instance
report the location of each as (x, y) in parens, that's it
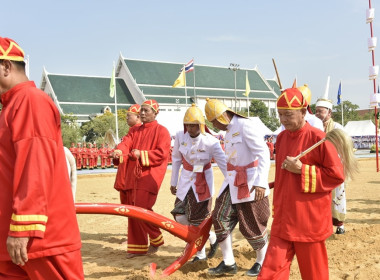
(353, 255)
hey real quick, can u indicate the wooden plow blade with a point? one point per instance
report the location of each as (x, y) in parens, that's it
(195, 237)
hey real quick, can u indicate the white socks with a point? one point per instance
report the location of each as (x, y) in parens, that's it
(228, 254)
(260, 254)
(212, 237)
(202, 253)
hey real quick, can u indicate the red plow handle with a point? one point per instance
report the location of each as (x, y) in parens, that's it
(196, 237)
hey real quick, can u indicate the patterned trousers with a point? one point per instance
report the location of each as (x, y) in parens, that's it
(196, 212)
(252, 217)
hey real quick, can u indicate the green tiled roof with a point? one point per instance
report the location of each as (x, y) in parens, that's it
(84, 95)
(207, 77)
(90, 94)
(274, 85)
(88, 89)
(177, 95)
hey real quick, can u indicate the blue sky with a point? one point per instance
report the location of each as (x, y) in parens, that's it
(309, 40)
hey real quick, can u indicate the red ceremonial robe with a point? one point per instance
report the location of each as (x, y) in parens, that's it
(302, 202)
(122, 169)
(142, 185)
(36, 199)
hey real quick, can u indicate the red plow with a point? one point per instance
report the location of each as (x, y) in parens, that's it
(195, 237)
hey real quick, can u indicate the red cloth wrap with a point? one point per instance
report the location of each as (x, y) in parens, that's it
(201, 186)
(241, 181)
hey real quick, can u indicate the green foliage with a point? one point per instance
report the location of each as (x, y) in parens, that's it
(259, 109)
(349, 112)
(70, 130)
(373, 149)
(210, 126)
(312, 107)
(94, 130)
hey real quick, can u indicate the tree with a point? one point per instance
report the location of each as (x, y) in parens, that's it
(349, 112)
(312, 108)
(94, 130)
(70, 130)
(259, 109)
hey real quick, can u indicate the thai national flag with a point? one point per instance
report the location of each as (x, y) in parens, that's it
(189, 66)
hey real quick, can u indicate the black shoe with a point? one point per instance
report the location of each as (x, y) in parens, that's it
(213, 249)
(197, 259)
(340, 230)
(223, 269)
(255, 270)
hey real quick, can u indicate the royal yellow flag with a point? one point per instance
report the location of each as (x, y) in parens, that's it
(112, 84)
(247, 86)
(181, 80)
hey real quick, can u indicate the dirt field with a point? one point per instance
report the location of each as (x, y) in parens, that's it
(353, 255)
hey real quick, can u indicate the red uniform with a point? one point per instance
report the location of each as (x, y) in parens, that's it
(90, 156)
(271, 149)
(36, 199)
(109, 158)
(121, 172)
(95, 156)
(103, 153)
(79, 156)
(73, 150)
(153, 141)
(302, 206)
(84, 156)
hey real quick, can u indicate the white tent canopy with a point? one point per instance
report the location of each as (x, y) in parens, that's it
(261, 126)
(173, 121)
(360, 128)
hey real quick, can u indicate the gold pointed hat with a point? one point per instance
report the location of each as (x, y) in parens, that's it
(194, 115)
(214, 109)
(306, 92)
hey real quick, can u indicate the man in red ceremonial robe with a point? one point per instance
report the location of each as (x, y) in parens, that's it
(110, 150)
(133, 120)
(302, 195)
(90, 156)
(79, 156)
(103, 153)
(73, 151)
(96, 155)
(39, 234)
(147, 148)
(270, 147)
(84, 156)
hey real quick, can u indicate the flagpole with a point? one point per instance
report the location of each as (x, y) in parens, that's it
(116, 120)
(246, 73)
(341, 101)
(374, 90)
(185, 85)
(195, 95)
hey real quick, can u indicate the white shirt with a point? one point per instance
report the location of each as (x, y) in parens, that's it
(244, 143)
(198, 152)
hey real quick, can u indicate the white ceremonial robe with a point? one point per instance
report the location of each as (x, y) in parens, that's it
(244, 143)
(198, 152)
